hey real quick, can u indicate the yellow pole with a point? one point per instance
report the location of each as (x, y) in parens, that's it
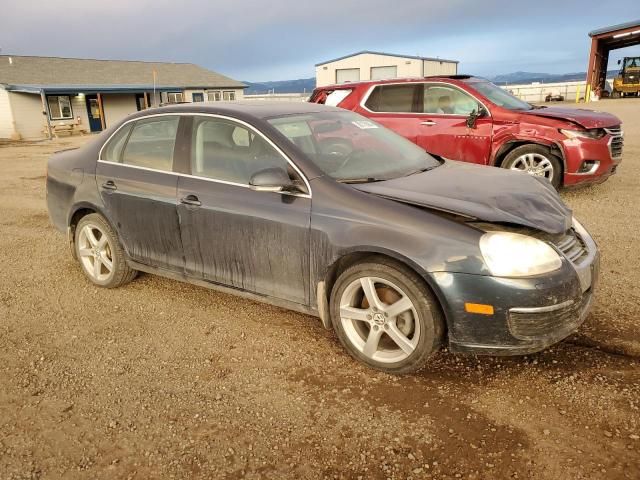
(587, 94)
(578, 93)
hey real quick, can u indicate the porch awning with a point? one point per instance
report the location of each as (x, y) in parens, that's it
(90, 89)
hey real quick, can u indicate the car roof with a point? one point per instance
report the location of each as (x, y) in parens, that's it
(266, 109)
(434, 78)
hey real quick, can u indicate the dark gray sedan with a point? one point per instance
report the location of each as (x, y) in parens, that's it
(325, 212)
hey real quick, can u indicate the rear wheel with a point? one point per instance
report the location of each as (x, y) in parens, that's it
(385, 316)
(100, 254)
(535, 160)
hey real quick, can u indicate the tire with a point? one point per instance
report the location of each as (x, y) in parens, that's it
(95, 240)
(536, 160)
(419, 326)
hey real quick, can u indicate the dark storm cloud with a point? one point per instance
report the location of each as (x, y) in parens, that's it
(257, 39)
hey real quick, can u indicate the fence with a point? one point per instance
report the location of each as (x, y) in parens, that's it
(538, 92)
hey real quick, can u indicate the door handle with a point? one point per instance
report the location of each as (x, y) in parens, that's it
(428, 123)
(191, 200)
(109, 185)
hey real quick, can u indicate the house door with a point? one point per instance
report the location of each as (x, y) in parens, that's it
(93, 112)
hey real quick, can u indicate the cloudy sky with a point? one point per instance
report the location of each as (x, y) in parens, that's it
(259, 40)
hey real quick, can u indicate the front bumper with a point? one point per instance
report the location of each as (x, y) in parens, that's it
(607, 151)
(530, 314)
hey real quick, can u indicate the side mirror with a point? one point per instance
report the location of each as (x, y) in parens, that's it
(619, 62)
(270, 180)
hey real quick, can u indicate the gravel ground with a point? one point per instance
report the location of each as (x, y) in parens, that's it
(165, 380)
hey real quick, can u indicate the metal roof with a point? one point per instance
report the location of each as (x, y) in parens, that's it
(614, 28)
(414, 57)
(31, 70)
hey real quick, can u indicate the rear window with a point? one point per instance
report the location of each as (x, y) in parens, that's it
(394, 98)
(331, 97)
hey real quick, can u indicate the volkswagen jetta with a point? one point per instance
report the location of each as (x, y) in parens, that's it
(323, 211)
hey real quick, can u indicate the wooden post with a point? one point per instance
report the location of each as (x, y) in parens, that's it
(45, 106)
(146, 100)
(101, 110)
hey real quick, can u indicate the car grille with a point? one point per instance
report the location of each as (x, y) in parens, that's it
(557, 323)
(617, 141)
(572, 246)
(631, 78)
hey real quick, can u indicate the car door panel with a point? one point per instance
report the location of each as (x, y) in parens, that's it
(254, 241)
(142, 208)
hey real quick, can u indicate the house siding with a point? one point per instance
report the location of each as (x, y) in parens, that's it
(7, 129)
(27, 115)
(117, 106)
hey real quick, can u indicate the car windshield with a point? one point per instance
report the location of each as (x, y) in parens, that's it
(352, 148)
(500, 96)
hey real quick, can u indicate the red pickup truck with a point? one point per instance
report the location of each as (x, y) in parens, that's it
(468, 118)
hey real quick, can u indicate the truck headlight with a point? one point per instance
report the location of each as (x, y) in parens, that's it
(594, 133)
(514, 255)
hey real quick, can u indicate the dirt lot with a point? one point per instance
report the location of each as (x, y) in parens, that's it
(164, 380)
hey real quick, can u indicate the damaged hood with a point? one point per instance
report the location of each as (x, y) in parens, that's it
(585, 118)
(484, 193)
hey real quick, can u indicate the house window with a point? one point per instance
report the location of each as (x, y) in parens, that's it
(59, 107)
(214, 96)
(229, 96)
(174, 97)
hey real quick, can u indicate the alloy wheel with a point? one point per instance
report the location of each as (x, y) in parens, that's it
(95, 252)
(534, 164)
(379, 319)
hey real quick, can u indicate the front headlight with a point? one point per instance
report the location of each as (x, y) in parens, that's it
(594, 133)
(514, 255)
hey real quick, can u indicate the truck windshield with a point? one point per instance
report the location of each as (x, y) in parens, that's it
(501, 97)
(352, 148)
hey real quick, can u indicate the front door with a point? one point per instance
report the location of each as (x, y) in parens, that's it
(443, 128)
(433, 116)
(138, 188)
(93, 112)
(235, 236)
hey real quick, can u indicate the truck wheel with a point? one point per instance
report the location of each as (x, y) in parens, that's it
(385, 316)
(536, 160)
(615, 94)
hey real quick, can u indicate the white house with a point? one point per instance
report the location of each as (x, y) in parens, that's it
(41, 94)
(367, 65)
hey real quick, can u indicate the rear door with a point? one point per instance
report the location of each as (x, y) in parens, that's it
(232, 235)
(396, 106)
(138, 187)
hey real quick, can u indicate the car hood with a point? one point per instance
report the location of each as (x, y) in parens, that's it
(484, 193)
(581, 116)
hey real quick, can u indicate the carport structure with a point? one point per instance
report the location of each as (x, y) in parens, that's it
(603, 41)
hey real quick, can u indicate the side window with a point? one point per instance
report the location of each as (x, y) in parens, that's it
(394, 99)
(224, 150)
(113, 151)
(444, 100)
(151, 143)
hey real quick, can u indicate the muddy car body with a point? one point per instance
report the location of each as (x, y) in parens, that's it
(267, 201)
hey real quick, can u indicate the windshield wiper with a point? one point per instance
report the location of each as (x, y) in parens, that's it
(361, 180)
(421, 170)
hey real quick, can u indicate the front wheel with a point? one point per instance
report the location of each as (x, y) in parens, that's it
(100, 254)
(385, 316)
(535, 160)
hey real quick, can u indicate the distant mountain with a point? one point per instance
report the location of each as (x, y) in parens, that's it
(529, 77)
(283, 86)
